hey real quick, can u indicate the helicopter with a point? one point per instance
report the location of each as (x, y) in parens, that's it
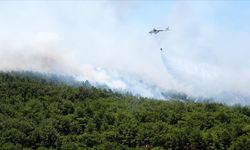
(155, 31)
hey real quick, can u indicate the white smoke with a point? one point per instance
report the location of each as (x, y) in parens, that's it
(208, 59)
(108, 43)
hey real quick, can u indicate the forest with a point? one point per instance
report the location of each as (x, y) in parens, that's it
(48, 112)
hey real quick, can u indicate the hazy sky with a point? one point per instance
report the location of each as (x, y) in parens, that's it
(206, 51)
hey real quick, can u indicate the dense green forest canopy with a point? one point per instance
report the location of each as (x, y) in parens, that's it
(41, 112)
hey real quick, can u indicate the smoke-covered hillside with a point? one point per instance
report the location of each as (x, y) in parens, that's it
(124, 74)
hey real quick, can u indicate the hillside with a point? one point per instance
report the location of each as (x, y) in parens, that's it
(41, 112)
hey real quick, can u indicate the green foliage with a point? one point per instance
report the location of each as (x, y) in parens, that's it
(43, 112)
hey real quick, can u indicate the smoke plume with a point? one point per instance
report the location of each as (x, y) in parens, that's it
(108, 43)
